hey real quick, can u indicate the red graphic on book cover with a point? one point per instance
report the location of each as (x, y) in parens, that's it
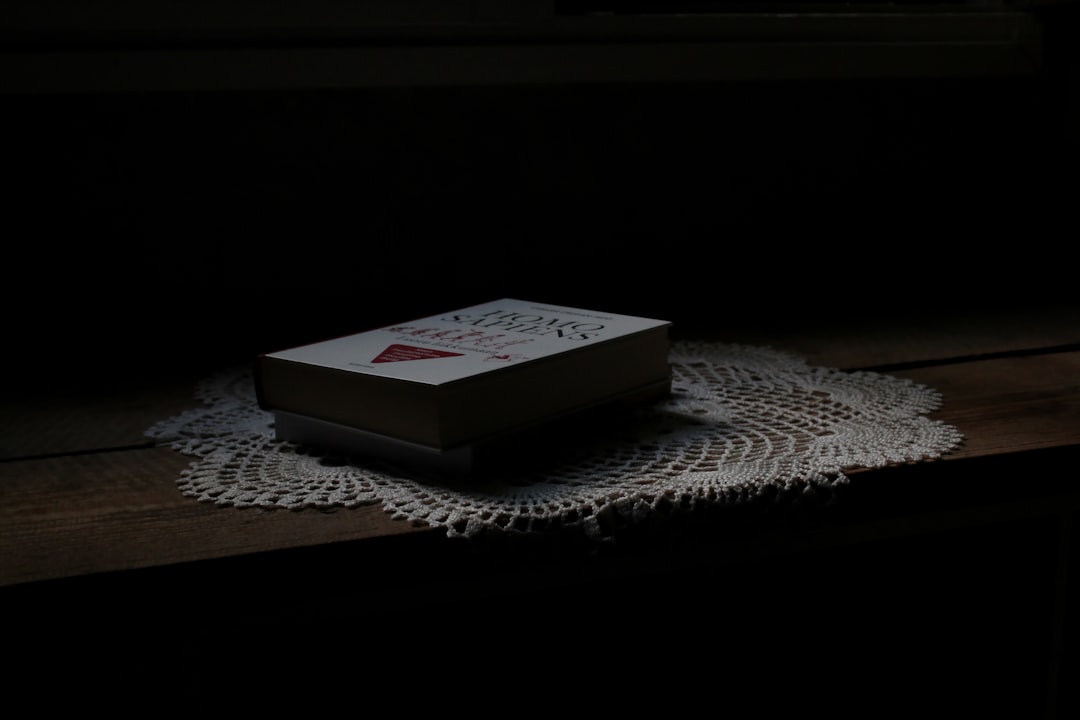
(399, 353)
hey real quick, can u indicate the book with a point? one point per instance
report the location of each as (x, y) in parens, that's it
(522, 449)
(443, 390)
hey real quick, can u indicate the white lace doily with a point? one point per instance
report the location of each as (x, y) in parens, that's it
(740, 420)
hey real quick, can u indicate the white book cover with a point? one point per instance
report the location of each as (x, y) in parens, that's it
(470, 341)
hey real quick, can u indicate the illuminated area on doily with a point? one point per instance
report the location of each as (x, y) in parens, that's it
(740, 421)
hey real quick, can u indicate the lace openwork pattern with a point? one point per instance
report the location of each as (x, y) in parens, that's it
(740, 420)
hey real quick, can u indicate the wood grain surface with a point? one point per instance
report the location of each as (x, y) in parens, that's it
(83, 491)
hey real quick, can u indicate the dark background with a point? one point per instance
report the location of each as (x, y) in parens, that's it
(169, 230)
(172, 227)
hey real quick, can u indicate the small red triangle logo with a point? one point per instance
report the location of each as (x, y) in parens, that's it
(398, 353)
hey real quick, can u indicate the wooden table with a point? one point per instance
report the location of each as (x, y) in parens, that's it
(949, 579)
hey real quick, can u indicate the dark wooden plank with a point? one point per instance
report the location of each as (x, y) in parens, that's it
(95, 418)
(1008, 405)
(103, 512)
(91, 513)
(856, 340)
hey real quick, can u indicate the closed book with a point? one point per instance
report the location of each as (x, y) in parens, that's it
(519, 450)
(466, 376)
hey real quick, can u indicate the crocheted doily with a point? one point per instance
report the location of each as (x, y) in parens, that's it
(740, 420)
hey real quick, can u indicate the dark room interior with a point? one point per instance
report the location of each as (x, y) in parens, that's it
(918, 154)
(191, 184)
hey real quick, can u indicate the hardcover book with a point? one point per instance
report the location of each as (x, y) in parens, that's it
(438, 389)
